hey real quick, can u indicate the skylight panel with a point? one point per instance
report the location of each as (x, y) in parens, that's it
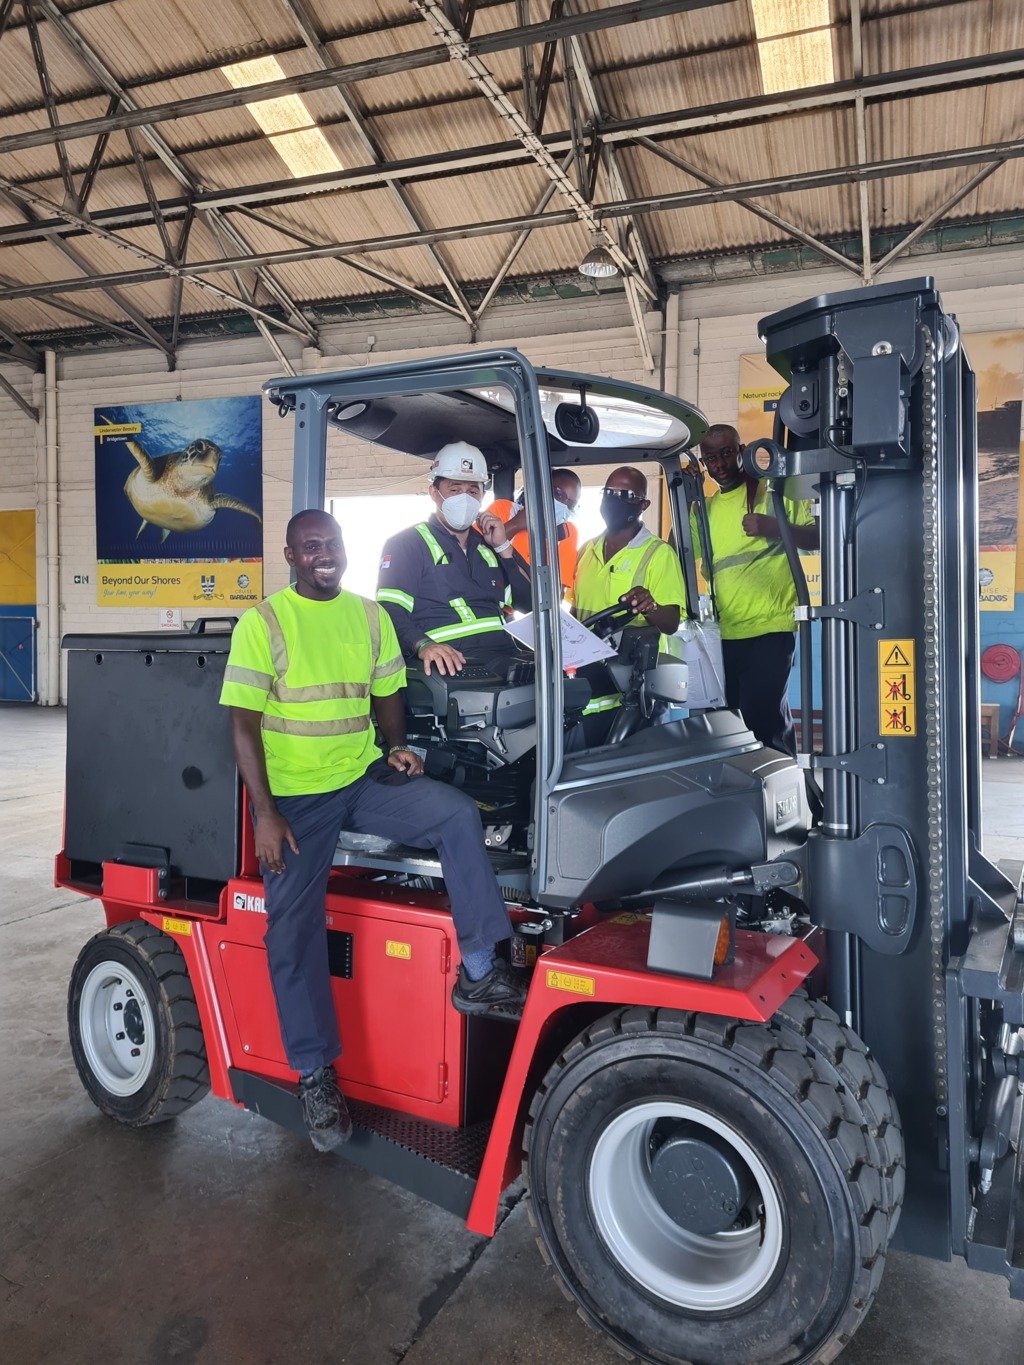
(794, 43)
(286, 121)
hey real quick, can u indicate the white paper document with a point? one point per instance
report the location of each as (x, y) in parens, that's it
(580, 646)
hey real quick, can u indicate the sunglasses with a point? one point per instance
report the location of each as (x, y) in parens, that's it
(622, 494)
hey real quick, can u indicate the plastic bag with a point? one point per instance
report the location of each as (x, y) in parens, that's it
(702, 653)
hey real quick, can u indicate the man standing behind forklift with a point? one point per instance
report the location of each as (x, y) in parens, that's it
(565, 490)
(444, 583)
(305, 668)
(754, 591)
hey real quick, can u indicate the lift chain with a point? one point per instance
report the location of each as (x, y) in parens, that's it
(932, 690)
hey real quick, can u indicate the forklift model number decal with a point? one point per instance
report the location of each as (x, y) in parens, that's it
(897, 689)
(566, 981)
(177, 926)
(394, 949)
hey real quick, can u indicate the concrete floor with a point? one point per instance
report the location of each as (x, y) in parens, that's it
(219, 1238)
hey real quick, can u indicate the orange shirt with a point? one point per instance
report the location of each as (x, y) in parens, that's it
(568, 549)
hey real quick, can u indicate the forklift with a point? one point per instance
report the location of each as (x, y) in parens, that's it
(775, 1007)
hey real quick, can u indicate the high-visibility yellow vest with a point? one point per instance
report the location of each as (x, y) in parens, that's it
(310, 668)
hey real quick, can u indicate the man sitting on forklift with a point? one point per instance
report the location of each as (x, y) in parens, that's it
(629, 564)
(305, 668)
(444, 583)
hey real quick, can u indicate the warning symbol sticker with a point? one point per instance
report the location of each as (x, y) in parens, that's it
(897, 689)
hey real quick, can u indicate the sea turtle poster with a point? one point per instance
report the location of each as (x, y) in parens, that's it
(179, 504)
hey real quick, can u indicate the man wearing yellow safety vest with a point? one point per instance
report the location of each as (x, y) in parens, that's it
(754, 592)
(446, 582)
(306, 669)
(628, 564)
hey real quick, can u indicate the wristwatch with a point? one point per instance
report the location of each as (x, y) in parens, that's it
(399, 749)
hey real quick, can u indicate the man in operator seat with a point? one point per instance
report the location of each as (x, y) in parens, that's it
(445, 583)
(628, 564)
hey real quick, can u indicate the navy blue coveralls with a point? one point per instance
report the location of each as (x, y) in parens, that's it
(433, 588)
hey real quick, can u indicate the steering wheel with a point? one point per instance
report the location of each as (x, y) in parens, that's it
(613, 618)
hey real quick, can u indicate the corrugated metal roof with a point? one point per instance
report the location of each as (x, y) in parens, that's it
(168, 51)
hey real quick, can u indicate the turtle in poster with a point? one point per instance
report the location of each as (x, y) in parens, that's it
(175, 492)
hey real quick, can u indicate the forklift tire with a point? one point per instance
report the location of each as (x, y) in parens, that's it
(710, 1191)
(836, 1047)
(135, 1033)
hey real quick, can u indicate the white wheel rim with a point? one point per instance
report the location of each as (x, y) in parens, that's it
(116, 1026)
(690, 1271)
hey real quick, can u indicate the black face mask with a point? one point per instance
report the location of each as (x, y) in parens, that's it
(618, 513)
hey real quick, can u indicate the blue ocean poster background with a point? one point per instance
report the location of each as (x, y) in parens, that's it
(179, 504)
(234, 426)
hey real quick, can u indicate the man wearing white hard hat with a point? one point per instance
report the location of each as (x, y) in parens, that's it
(445, 582)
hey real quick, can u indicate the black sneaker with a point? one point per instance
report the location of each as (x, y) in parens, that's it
(323, 1107)
(499, 992)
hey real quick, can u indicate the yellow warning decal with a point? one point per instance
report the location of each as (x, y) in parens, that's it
(567, 981)
(394, 949)
(897, 689)
(177, 926)
(627, 917)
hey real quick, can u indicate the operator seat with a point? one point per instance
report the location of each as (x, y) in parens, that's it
(479, 731)
(479, 705)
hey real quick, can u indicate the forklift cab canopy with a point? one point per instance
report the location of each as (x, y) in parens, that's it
(586, 419)
(522, 419)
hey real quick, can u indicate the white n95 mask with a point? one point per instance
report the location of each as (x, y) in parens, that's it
(461, 510)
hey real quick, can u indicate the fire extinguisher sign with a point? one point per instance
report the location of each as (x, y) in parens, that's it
(897, 689)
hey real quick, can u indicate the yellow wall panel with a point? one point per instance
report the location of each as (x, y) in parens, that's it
(17, 558)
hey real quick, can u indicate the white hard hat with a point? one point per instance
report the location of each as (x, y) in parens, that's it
(459, 460)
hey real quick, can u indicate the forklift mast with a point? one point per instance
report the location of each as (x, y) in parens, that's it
(880, 417)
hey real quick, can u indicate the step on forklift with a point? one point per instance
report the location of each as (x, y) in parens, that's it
(774, 1019)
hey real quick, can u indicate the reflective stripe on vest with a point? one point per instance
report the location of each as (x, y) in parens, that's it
(646, 555)
(488, 556)
(352, 725)
(597, 704)
(436, 553)
(462, 610)
(337, 691)
(396, 598)
(479, 625)
(248, 677)
(746, 557)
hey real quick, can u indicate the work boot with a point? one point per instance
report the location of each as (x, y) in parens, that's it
(499, 992)
(328, 1121)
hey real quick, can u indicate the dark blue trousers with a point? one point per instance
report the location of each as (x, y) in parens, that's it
(756, 682)
(412, 811)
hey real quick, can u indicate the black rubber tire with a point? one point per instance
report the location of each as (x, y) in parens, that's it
(819, 1030)
(178, 1077)
(808, 1123)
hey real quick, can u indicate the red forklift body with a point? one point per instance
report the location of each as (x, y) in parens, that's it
(406, 1052)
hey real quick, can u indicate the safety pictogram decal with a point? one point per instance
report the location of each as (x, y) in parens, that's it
(897, 689)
